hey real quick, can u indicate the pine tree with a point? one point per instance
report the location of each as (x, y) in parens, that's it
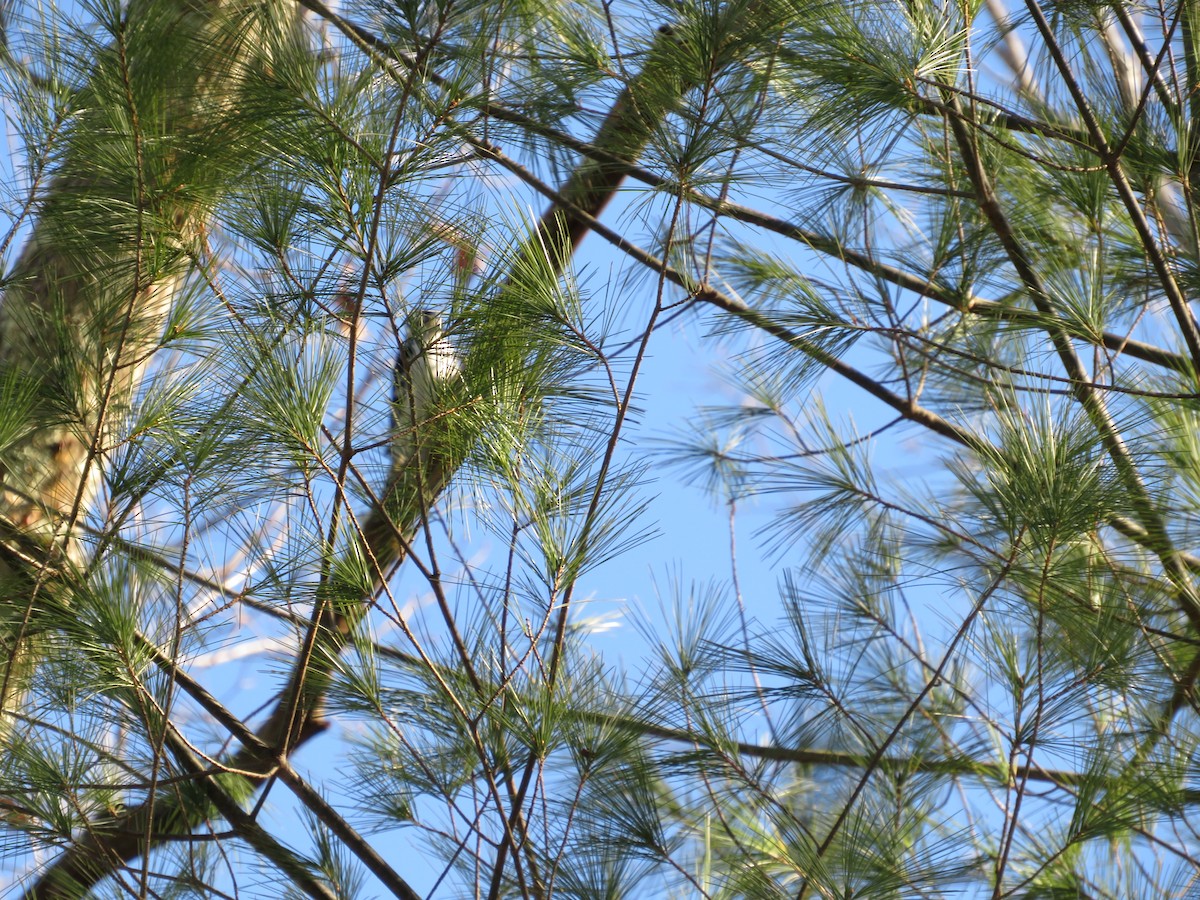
(229, 224)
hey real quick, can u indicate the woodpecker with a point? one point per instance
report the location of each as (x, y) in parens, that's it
(427, 361)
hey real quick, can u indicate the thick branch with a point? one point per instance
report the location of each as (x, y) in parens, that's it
(410, 493)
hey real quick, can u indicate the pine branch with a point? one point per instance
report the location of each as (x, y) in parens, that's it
(411, 491)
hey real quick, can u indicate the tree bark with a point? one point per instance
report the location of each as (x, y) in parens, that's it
(407, 497)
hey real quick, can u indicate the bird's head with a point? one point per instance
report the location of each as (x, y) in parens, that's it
(425, 324)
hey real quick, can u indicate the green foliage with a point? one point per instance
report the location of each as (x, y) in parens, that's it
(933, 267)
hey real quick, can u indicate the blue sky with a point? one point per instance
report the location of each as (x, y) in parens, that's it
(686, 370)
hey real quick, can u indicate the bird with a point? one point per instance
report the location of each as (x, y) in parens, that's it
(427, 361)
